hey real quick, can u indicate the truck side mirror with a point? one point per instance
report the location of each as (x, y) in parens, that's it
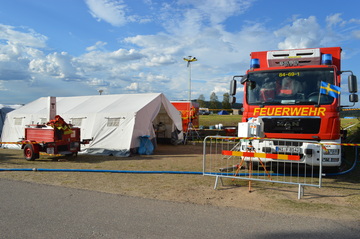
(352, 84)
(233, 87)
(232, 99)
(244, 79)
(353, 98)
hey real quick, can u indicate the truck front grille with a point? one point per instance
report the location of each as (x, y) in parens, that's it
(292, 125)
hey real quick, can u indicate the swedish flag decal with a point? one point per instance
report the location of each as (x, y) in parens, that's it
(329, 89)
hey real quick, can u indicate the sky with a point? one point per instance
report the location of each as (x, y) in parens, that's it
(81, 47)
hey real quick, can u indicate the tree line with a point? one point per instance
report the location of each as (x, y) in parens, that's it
(214, 102)
(350, 113)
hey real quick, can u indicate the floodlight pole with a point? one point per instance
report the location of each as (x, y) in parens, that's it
(189, 60)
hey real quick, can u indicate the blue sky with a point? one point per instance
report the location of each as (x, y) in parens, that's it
(78, 47)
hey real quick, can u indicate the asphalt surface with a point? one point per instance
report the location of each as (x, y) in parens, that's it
(29, 210)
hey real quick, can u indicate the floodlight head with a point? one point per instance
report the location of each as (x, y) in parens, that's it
(190, 59)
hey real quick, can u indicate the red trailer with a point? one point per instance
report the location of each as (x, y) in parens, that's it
(49, 141)
(59, 139)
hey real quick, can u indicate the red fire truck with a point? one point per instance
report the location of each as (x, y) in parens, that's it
(189, 113)
(295, 95)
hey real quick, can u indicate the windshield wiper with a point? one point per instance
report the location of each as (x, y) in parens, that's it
(262, 104)
(305, 103)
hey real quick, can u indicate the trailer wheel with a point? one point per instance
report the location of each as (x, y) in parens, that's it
(29, 153)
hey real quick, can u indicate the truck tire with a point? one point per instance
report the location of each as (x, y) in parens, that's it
(29, 153)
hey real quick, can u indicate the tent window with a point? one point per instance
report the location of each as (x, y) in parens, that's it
(43, 120)
(18, 121)
(111, 122)
(76, 121)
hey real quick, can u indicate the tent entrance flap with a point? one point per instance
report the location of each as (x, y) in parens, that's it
(165, 129)
(163, 124)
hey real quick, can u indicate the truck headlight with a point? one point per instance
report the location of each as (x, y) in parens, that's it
(332, 151)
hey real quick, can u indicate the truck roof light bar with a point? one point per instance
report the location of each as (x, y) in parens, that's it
(300, 57)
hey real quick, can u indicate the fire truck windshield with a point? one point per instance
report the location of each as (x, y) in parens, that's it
(288, 87)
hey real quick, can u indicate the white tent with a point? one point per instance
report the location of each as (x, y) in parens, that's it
(113, 122)
(4, 109)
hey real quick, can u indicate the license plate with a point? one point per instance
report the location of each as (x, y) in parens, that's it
(284, 149)
(50, 150)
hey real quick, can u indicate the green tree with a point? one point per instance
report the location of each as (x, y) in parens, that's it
(213, 101)
(201, 101)
(225, 103)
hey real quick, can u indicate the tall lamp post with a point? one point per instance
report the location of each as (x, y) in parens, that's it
(189, 60)
(189, 126)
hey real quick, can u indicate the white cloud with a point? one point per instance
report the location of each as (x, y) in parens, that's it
(158, 60)
(28, 38)
(104, 58)
(302, 33)
(217, 11)
(354, 20)
(97, 82)
(59, 65)
(2, 88)
(220, 90)
(114, 12)
(111, 11)
(356, 34)
(334, 20)
(98, 46)
(133, 86)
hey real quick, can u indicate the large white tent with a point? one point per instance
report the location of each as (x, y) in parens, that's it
(115, 123)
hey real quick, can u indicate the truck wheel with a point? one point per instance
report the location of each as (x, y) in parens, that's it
(29, 153)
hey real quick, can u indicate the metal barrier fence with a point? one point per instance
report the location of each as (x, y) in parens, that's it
(240, 158)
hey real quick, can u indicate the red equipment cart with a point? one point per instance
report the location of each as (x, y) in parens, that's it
(50, 141)
(60, 138)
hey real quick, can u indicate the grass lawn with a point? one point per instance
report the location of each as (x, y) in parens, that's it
(225, 120)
